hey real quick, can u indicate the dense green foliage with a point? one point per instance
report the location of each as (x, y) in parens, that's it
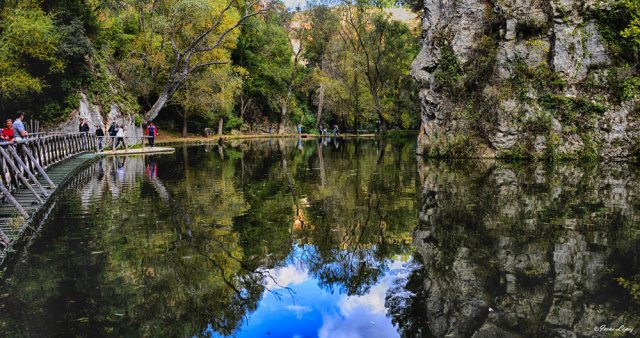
(43, 49)
(201, 63)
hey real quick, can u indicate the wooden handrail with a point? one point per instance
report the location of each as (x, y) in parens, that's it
(24, 158)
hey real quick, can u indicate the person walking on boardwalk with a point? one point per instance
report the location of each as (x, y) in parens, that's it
(113, 130)
(84, 129)
(7, 132)
(152, 132)
(18, 127)
(100, 136)
(120, 137)
(84, 126)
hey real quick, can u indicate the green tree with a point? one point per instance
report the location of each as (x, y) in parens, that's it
(383, 50)
(177, 39)
(632, 31)
(322, 25)
(26, 32)
(209, 94)
(265, 51)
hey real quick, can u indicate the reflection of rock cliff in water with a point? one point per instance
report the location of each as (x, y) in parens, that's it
(522, 251)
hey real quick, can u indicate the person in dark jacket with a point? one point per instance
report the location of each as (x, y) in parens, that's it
(100, 136)
(84, 129)
(113, 131)
(84, 126)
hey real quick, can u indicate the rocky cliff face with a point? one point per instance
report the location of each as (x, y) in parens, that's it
(95, 115)
(534, 78)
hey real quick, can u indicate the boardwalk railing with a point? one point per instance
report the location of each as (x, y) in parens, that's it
(22, 160)
(113, 143)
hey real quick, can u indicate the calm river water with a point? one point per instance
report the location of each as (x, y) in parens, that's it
(331, 238)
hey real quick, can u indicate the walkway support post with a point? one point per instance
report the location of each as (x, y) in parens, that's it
(39, 167)
(13, 152)
(13, 201)
(18, 173)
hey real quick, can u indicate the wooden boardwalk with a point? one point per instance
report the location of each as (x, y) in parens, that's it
(11, 221)
(32, 168)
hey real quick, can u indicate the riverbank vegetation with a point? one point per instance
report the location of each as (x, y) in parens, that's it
(196, 64)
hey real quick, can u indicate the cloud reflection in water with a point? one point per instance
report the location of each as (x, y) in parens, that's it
(305, 309)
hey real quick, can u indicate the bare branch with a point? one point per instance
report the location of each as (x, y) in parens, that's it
(205, 64)
(174, 46)
(228, 30)
(204, 34)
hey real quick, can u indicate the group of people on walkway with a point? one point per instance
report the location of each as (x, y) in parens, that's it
(324, 130)
(14, 129)
(116, 133)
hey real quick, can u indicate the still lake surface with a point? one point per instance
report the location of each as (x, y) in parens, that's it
(331, 238)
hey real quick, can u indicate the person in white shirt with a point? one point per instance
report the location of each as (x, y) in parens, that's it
(120, 137)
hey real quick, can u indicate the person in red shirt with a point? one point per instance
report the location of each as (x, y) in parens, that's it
(7, 131)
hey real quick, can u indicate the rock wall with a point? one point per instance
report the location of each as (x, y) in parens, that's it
(96, 115)
(530, 78)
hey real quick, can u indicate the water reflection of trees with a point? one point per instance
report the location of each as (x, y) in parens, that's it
(175, 251)
(539, 245)
(358, 206)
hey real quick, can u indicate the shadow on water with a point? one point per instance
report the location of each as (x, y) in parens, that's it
(523, 250)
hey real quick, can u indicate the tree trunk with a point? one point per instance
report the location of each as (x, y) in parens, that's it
(320, 106)
(220, 125)
(378, 109)
(184, 124)
(244, 105)
(166, 94)
(283, 114)
(356, 92)
(320, 95)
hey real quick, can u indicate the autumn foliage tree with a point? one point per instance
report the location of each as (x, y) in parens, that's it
(179, 38)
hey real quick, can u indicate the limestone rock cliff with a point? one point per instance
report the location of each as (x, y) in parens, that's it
(534, 78)
(97, 115)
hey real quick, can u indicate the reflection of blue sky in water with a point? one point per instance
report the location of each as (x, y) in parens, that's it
(311, 311)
